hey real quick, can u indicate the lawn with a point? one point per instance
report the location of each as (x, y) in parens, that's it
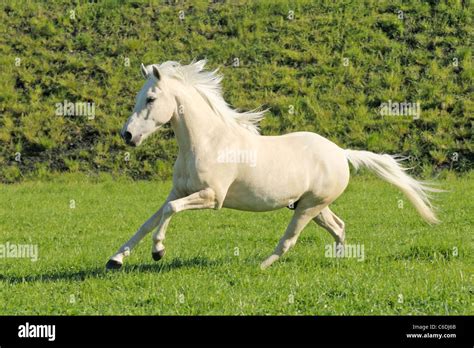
(212, 261)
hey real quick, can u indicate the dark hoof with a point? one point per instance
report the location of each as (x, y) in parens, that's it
(112, 264)
(158, 255)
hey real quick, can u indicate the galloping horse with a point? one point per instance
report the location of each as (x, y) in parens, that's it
(303, 169)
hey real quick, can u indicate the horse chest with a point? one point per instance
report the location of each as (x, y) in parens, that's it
(190, 178)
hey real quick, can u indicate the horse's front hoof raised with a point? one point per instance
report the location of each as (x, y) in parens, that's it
(112, 264)
(158, 255)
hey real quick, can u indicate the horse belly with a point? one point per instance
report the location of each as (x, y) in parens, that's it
(286, 169)
(272, 191)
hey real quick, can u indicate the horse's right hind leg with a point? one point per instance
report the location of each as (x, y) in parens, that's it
(332, 223)
(301, 218)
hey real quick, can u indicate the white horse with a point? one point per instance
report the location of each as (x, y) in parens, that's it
(224, 162)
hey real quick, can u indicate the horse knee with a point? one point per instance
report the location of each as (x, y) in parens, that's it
(207, 193)
(170, 208)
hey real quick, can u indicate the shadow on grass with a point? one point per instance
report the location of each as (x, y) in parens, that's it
(162, 267)
(101, 272)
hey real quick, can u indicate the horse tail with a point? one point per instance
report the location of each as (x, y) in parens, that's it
(389, 168)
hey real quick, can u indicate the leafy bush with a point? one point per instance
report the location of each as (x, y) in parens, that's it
(332, 63)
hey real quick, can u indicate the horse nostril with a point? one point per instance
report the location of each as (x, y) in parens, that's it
(127, 136)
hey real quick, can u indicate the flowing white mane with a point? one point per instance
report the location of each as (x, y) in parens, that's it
(208, 84)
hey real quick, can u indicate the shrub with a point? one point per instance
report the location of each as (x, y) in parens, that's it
(335, 62)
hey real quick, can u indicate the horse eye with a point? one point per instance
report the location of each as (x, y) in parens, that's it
(150, 100)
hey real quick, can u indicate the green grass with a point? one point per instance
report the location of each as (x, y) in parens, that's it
(285, 65)
(404, 257)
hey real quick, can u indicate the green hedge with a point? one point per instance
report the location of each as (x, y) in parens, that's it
(331, 62)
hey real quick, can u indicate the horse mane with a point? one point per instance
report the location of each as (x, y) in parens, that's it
(208, 84)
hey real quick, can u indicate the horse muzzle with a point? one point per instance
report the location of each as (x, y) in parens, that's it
(130, 139)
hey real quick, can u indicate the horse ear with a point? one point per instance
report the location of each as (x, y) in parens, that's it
(144, 71)
(156, 72)
(200, 64)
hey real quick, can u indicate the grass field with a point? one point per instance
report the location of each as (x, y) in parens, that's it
(409, 267)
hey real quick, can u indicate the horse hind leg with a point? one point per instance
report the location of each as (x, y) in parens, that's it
(301, 218)
(333, 224)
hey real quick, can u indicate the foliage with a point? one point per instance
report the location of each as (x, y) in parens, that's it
(332, 62)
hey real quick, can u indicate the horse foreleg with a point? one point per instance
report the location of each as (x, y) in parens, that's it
(298, 222)
(116, 260)
(204, 199)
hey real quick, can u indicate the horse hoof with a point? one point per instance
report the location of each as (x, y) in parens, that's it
(158, 255)
(112, 264)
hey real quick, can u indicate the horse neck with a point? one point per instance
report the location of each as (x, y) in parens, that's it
(195, 122)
